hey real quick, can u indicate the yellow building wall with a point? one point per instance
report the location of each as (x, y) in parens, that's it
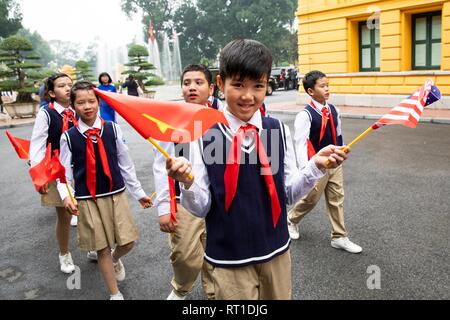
(328, 41)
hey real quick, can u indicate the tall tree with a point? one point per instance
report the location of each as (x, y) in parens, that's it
(205, 26)
(41, 47)
(160, 12)
(65, 52)
(10, 18)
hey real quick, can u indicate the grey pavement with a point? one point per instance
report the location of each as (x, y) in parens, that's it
(397, 208)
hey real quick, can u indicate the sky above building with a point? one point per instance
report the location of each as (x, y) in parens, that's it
(81, 21)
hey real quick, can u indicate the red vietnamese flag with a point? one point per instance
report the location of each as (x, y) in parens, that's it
(150, 31)
(173, 200)
(57, 169)
(49, 169)
(21, 146)
(40, 172)
(164, 120)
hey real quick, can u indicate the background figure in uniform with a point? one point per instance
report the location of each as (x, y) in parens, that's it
(187, 236)
(316, 127)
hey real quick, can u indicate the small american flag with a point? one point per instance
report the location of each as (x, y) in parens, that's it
(409, 111)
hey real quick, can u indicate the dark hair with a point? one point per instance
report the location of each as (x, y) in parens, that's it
(198, 67)
(79, 86)
(310, 79)
(246, 59)
(50, 85)
(104, 74)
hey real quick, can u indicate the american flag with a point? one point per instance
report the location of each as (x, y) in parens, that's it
(409, 111)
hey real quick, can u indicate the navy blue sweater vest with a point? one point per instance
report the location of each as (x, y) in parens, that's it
(77, 144)
(245, 234)
(316, 127)
(55, 124)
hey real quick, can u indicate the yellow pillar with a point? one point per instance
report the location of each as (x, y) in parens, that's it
(445, 64)
(390, 48)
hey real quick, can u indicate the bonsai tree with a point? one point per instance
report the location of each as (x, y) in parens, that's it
(84, 71)
(19, 74)
(139, 67)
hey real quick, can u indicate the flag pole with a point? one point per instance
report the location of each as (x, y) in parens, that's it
(70, 193)
(360, 137)
(164, 152)
(351, 144)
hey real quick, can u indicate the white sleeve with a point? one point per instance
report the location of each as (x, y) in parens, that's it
(339, 124)
(302, 128)
(162, 201)
(197, 200)
(298, 182)
(127, 167)
(39, 138)
(65, 157)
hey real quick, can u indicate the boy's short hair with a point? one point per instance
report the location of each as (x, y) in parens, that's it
(246, 59)
(82, 85)
(198, 67)
(310, 79)
(50, 85)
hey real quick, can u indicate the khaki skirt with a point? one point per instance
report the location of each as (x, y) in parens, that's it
(106, 222)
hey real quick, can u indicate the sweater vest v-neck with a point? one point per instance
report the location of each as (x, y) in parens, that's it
(245, 234)
(77, 144)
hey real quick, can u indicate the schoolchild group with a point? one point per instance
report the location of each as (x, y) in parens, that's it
(232, 223)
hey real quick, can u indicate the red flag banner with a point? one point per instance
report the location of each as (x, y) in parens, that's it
(151, 33)
(173, 200)
(21, 146)
(164, 120)
(409, 111)
(49, 169)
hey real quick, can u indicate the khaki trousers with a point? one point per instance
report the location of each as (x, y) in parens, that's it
(187, 246)
(265, 281)
(332, 184)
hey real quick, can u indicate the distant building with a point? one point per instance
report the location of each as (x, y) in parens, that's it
(372, 50)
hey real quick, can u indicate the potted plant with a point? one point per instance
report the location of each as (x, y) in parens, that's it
(139, 67)
(19, 75)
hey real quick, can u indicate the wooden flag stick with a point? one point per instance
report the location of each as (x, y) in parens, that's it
(351, 144)
(70, 193)
(360, 137)
(165, 154)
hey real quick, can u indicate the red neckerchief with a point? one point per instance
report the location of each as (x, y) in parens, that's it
(67, 115)
(326, 114)
(91, 175)
(232, 171)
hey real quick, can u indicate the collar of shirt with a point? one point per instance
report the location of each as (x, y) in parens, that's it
(236, 123)
(59, 108)
(83, 127)
(319, 106)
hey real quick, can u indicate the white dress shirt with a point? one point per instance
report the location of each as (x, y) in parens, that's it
(125, 163)
(39, 137)
(197, 199)
(302, 128)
